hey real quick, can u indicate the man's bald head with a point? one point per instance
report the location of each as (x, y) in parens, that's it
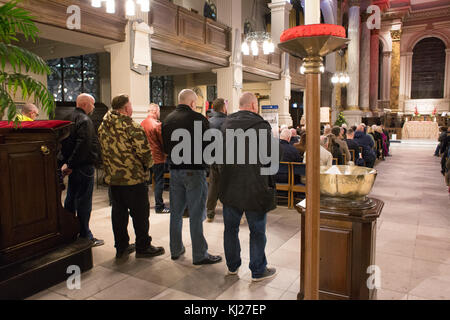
(360, 128)
(30, 110)
(286, 134)
(248, 102)
(188, 97)
(86, 103)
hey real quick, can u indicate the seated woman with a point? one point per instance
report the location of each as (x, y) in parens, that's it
(335, 149)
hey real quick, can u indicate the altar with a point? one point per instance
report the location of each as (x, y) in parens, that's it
(420, 130)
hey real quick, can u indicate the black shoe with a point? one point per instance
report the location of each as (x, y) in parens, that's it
(120, 253)
(209, 260)
(181, 253)
(97, 242)
(163, 211)
(268, 274)
(150, 252)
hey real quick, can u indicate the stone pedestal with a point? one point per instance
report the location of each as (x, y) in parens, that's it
(353, 117)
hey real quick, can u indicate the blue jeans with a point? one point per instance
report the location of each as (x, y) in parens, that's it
(188, 188)
(79, 197)
(257, 224)
(158, 172)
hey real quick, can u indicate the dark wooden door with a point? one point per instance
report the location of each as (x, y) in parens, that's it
(27, 195)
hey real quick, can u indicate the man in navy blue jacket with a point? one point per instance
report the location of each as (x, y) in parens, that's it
(367, 144)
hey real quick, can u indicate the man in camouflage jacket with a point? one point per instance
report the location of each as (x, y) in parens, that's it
(127, 159)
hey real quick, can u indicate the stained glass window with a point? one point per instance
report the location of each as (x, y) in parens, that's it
(161, 91)
(73, 76)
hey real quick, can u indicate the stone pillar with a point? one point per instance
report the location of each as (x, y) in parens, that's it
(229, 80)
(281, 90)
(447, 75)
(352, 112)
(365, 67)
(126, 81)
(374, 69)
(386, 76)
(395, 71)
(405, 79)
(353, 56)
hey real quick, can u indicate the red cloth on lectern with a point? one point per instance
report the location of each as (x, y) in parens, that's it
(40, 124)
(312, 30)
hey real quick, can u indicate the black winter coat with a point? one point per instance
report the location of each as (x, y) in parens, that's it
(242, 186)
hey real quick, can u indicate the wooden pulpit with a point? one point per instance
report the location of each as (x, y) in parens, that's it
(38, 238)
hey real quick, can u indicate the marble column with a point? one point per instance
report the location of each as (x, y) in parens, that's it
(365, 67)
(229, 80)
(395, 70)
(281, 90)
(125, 80)
(447, 75)
(353, 56)
(374, 69)
(352, 113)
(386, 76)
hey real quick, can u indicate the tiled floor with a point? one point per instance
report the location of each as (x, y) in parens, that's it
(413, 246)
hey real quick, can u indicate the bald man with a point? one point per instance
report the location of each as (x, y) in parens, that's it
(152, 128)
(243, 188)
(29, 113)
(188, 186)
(80, 153)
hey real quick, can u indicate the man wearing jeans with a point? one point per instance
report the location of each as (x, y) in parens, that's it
(243, 188)
(79, 153)
(152, 128)
(127, 159)
(188, 186)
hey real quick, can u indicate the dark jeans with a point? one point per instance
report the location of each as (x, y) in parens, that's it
(257, 225)
(213, 190)
(158, 172)
(79, 197)
(133, 201)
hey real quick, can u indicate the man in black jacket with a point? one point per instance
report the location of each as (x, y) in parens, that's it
(244, 189)
(79, 154)
(218, 117)
(188, 186)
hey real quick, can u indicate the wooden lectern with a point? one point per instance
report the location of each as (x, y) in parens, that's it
(38, 238)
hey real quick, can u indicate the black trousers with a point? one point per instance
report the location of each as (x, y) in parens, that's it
(133, 201)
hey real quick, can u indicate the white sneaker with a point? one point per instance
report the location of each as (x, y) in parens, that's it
(233, 273)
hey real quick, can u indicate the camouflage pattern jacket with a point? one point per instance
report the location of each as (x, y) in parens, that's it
(126, 152)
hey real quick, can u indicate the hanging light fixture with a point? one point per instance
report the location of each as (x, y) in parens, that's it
(257, 40)
(340, 78)
(130, 6)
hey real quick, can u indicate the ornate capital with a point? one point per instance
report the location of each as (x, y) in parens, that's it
(353, 3)
(396, 35)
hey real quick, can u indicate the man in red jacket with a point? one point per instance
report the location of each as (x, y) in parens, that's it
(152, 127)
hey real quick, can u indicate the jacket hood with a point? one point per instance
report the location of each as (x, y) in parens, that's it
(113, 117)
(359, 134)
(215, 114)
(244, 120)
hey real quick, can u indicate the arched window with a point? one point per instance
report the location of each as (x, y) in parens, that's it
(428, 69)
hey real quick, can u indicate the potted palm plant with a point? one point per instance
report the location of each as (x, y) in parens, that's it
(16, 63)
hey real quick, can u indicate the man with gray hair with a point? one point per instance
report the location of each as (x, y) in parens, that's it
(152, 128)
(188, 186)
(244, 189)
(29, 113)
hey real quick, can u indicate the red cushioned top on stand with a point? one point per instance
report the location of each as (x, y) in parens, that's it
(313, 30)
(40, 124)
